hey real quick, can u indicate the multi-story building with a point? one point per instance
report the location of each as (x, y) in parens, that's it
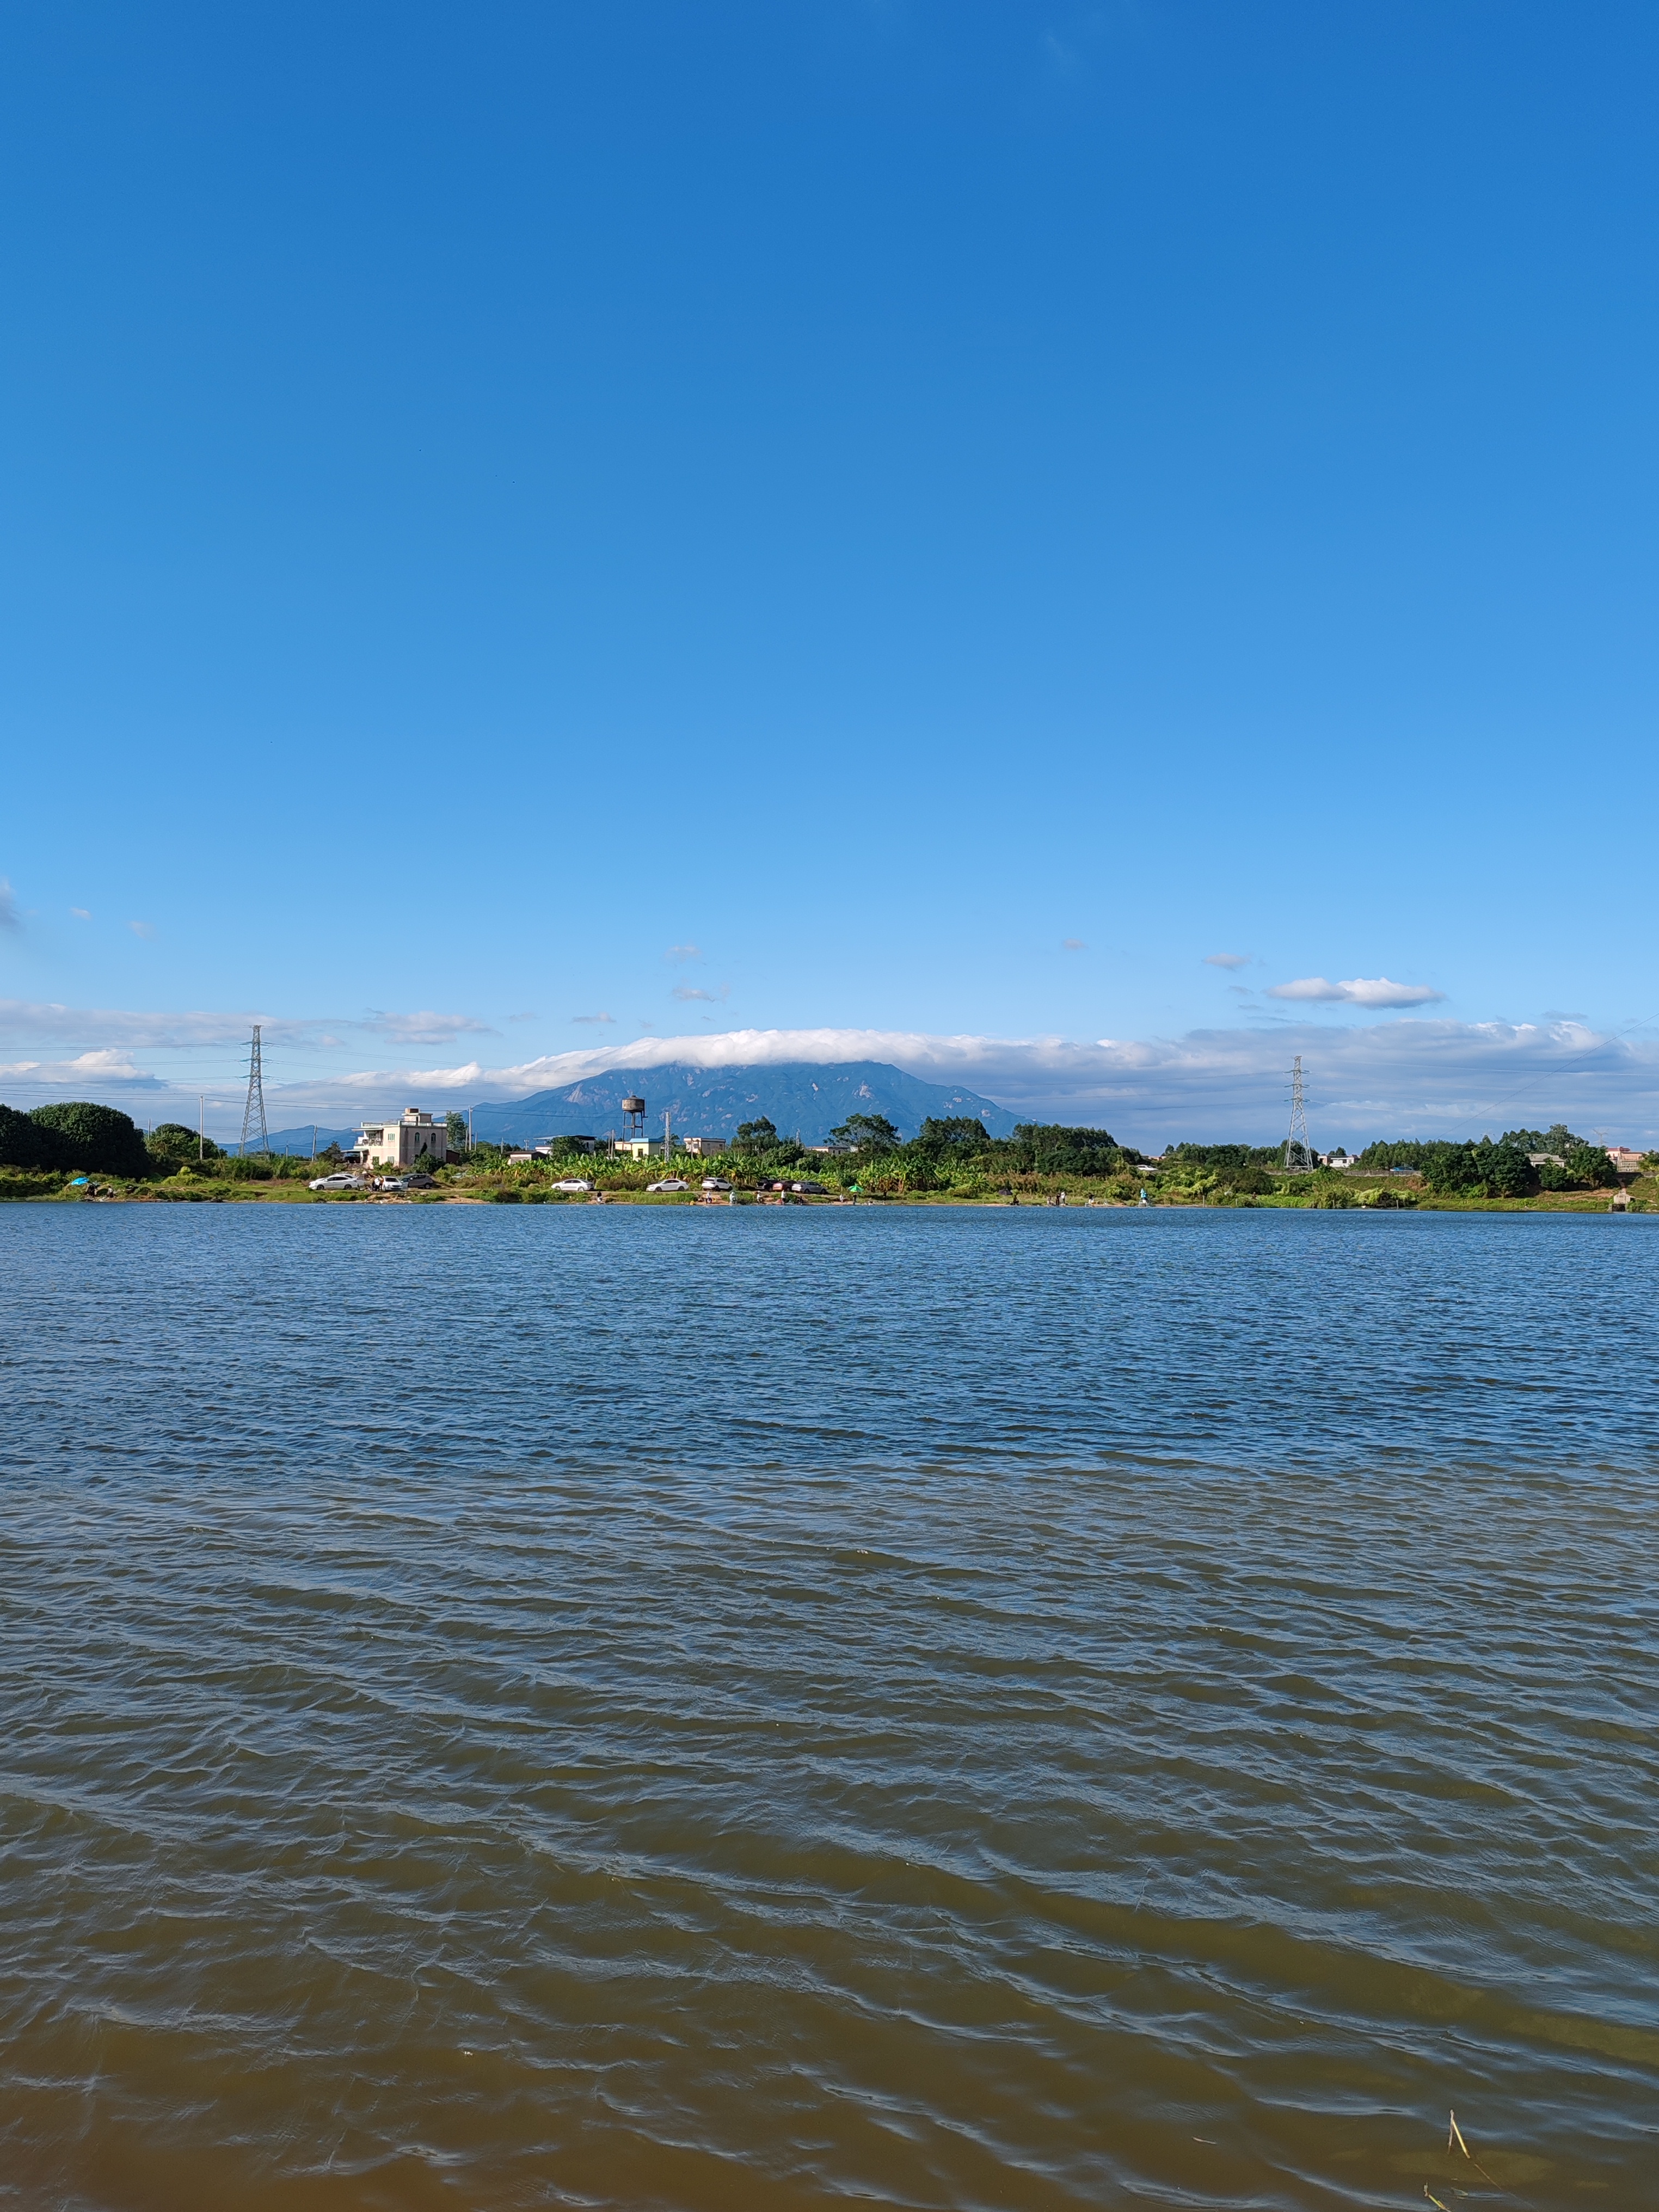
(401, 1144)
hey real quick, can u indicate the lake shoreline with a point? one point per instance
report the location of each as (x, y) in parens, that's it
(1555, 1203)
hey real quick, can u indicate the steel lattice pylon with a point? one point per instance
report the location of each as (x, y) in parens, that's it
(1298, 1152)
(253, 1114)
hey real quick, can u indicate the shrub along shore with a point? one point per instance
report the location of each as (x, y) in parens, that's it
(80, 1152)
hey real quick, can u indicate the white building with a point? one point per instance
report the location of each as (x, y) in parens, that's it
(708, 1148)
(400, 1143)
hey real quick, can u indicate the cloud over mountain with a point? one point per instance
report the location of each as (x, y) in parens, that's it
(1411, 1076)
(1404, 1077)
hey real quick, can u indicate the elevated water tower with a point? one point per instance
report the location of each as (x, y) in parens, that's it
(633, 1114)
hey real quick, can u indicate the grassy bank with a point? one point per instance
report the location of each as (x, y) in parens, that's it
(624, 1182)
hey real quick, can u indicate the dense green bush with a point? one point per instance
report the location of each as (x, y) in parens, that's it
(252, 1167)
(1590, 1167)
(18, 1182)
(1052, 1148)
(1503, 1170)
(172, 1140)
(1232, 1162)
(1254, 1181)
(1482, 1171)
(1408, 1153)
(89, 1140)
(23, 1142)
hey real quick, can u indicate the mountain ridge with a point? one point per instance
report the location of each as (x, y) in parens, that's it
(809, 1097)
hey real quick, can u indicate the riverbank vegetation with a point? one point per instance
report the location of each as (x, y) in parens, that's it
(1521, 1164)
(80, 1150)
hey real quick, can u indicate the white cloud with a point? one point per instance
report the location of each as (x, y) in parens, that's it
(683, 952)
(1407, 1077)
(30, 1022)
(686, 992)
(88, 1074)
(82, 913)
(9, 917)
(145, 929)
(592, 1018)
(424, 1028)
(1226, 960)
(1073, 944)
(1359, 991)
(1413, 1076)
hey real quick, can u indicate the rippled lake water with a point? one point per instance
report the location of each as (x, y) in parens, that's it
(933, 1708)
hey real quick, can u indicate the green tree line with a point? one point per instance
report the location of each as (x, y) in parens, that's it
(1502, 1169)
(940, 1146)
(77, 1138)
(80, 1138)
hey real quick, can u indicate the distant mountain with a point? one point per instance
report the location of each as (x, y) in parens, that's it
(804, 1097)
(297, 1142)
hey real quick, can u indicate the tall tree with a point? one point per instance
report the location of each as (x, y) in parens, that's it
(866, 1132)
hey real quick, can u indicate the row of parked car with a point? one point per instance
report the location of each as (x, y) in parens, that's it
(572, 1185)
(578, 1185)
(343, 1179)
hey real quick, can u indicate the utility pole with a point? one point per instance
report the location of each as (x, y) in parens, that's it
(201, 1125)
(1298, 1152)
(667, 1139)
(253, 1114)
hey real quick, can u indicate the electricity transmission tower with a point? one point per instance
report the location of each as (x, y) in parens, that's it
(1298, 1152)
(253, 1114)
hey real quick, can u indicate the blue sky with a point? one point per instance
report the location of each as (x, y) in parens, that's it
(931, 520)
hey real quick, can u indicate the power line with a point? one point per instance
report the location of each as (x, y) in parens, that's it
(1494, 1107)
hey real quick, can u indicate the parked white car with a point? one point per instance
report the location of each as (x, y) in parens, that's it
(669, 1182)
(336, 1182)
(716, 1182)
(573, 1183)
